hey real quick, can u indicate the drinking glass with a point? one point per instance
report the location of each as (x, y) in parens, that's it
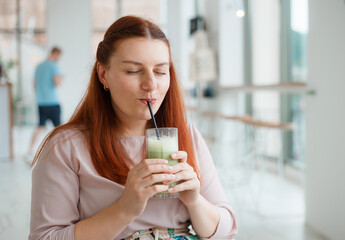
(161, 143)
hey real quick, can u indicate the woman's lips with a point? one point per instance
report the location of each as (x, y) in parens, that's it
(144, 101)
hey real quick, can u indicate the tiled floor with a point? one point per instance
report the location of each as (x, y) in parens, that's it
(267, 206)
(15, 187)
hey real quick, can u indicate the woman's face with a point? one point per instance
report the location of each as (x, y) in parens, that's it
(138, 72)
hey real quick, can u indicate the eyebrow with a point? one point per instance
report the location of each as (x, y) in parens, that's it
(138, 63)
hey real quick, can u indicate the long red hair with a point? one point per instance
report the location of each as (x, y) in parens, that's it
(96, 118)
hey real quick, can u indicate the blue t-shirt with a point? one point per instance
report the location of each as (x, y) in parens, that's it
(45, 87)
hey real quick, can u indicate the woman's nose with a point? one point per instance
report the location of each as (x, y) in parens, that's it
(149, 82)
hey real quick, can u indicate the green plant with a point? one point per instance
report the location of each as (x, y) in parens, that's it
(7, 66)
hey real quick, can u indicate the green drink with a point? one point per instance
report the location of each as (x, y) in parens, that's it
(162, 146)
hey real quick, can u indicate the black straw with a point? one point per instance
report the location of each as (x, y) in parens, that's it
(153, 118)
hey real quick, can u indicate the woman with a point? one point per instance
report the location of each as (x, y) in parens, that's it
(91, 179)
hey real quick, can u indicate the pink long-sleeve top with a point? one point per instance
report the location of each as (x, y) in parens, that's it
(66, 188)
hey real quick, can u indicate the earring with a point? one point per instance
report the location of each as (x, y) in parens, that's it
(105, 88)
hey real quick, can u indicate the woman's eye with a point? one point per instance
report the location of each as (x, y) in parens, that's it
(161, 73)
(133, 72)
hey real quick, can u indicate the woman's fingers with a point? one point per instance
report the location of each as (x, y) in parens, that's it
(181, 166)
(153, 189)
(179, 155)
(154, 175)
(183, 186)
(142, 189)
(151, 166)
(158, 178)
(154, 183)
(185, 175)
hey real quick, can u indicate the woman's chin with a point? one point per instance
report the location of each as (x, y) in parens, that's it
(145, 117)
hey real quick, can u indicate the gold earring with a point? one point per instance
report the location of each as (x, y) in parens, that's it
(105, 88)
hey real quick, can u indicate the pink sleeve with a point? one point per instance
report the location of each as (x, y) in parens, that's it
(212, 190)
(55, 192)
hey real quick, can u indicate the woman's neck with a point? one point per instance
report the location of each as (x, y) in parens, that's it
(134, 128)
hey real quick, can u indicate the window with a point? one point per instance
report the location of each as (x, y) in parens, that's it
(298, 72)
(279, 54)
(149, 9)
(8, 18)
(105, 12)
(299, 30)
(33, 17)
(22, 40)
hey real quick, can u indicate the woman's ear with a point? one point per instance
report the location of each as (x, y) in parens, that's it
(101, 74)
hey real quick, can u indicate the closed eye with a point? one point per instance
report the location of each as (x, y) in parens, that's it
(132, 72)
(161, 73)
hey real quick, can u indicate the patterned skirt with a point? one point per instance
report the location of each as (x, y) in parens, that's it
(158, 233)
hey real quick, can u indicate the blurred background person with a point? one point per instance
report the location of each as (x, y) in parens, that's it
(47, 79)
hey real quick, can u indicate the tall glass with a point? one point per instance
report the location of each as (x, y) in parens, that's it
(162, 147)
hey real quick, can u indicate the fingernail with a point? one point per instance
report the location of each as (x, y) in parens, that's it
(173, 155)
(169, 167)
(165, 161)
(171, 176)
(170, 189)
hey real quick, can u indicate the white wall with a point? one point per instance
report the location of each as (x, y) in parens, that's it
(69, 26)
(266, 41)
(325, 176)
(230, 44)
(179, 14)
(225, 31)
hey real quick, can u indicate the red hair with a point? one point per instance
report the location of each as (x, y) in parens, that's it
(97, 120)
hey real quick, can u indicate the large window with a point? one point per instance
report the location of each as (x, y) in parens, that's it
(22, 41)
(278, 54)
(298, 72)
(105, 12)
(299, 30)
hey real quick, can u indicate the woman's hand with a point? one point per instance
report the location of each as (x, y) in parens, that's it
(203, 214)
(139, 185)
(188, 183)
